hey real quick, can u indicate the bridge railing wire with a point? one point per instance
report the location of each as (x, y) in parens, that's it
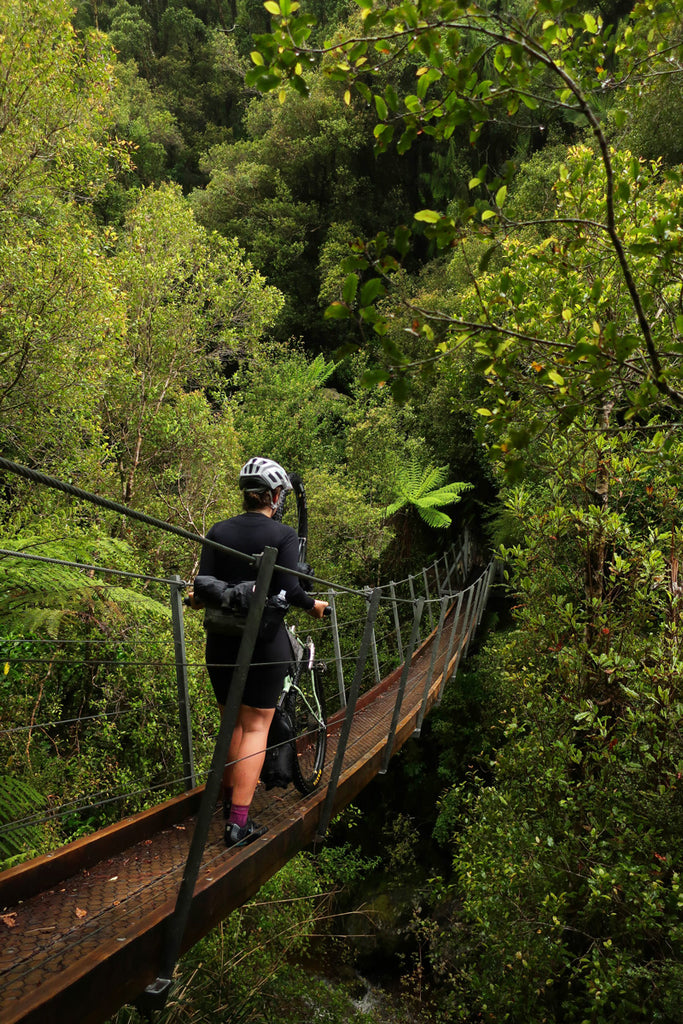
(92, 683)
(390, 620)
(387, 641)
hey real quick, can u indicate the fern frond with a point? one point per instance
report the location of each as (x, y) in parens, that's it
(135, 601)
(432, 477)
(424, 489)
(42, 596)
(448, 495)
(434, 518)
(395, 506)
(18, 800)
(319, 371)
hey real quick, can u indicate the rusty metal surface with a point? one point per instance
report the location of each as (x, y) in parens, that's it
(81, 947)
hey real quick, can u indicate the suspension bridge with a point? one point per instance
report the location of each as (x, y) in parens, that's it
(101, 921)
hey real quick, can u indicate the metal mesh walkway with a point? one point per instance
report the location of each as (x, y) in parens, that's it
(84, 927)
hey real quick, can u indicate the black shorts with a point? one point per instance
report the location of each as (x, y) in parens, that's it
(266, 675)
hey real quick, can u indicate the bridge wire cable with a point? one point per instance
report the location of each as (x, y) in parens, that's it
(160, 524)
(73, 807)
(42, 478)
(135, 894)
(31, 474)
(119, 713)
(7, 552)
(65, 642)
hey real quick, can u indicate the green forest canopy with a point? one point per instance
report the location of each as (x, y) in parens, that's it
(360, 238)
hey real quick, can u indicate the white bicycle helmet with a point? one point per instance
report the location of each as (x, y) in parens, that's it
(263, 475)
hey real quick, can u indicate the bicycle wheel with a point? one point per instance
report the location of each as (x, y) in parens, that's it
(307, 708)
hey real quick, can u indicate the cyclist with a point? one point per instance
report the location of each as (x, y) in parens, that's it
(262, 482)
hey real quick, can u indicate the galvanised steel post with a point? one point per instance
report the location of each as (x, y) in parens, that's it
(337, 648)
(375, 656)
(411, 588)
(366, 643)
(485, 586)
(447, 674)
(475, 611)
(181, 682)
(397, 621)
(432, 662)
(436, 574)
(428, 597)
(447, 587)
(465, 639)
(155, 994)
(418, 608)
(492, 572)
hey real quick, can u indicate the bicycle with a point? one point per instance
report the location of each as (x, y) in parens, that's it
(303, 700)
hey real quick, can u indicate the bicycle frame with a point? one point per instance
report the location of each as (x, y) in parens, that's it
(298, 651)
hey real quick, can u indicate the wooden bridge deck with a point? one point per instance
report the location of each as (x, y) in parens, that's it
(88, 922)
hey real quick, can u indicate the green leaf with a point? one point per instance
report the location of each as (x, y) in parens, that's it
(428, 216)
(371, 378)
(402, 236)
(272, 7)
(350, 288)
(371, 290)
(337, 311)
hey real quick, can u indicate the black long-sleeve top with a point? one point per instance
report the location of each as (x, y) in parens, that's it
(250, 533)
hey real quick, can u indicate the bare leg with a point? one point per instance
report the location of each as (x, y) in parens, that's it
(233, 751)
(248, 752)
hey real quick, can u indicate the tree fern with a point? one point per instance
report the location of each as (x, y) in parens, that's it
(425, 488)
(44, 596)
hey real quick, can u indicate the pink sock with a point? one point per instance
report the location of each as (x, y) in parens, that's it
(238, 815)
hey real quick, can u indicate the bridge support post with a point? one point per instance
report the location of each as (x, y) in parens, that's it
(447, 674)
(459, 565)
(366, 642)
(411, 588)
(446, 586)
(337, 648)
(432, 663)
(155, 995)
(375, 656)
(436, 575)
(481, 589)
(428, 598)
(397, 621)
(467, 623)
(181, 681)
(418, 608)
